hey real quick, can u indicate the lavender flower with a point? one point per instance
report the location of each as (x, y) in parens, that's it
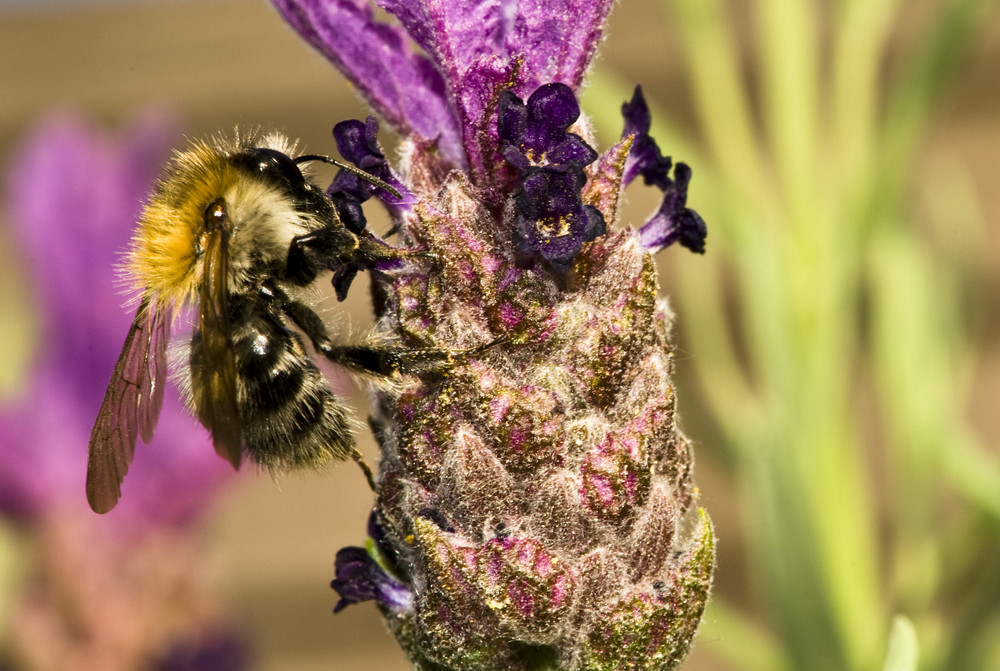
(358, 143)
(673, 221)
(535, 503)
(536, 134)
(106, 593)
(552, 220)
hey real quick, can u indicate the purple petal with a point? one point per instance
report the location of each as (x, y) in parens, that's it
(355, 140)
(644, 157)
(465, 40)
(556, 39)
(360, 578)
(358, 143)
(550, 193)
(638, 119)
(553, 105)
(402, 86)
(561, 250)
(572, 149)
(552, 109)
(535, 133)
(455, 33)
(479, 90)
(674, 221)
(512, 117)
(552, 220)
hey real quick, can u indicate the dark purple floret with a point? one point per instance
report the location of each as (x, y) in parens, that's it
(358, 143)
(345, 271)
(534, 134)
(348, 208)
(552, 220)
(360, 578)
(674, 221)
(342, 278)
(644, 157)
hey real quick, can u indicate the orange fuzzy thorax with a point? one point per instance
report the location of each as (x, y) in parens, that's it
(165, 262)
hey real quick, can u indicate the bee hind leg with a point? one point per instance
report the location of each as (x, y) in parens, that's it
(359, 459)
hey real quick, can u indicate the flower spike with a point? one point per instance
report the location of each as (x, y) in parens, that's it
(535, 505)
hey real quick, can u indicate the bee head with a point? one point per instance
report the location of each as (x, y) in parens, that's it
(252, 190)
(271, 165)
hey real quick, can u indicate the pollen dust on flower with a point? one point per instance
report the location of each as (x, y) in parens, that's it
(553, 227)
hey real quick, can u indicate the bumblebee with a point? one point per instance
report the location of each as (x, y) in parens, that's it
(235, 229)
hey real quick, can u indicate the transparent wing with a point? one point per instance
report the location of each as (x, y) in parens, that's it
(215, 377)
(131, 406)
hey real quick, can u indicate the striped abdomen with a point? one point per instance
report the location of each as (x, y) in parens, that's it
(289, 417)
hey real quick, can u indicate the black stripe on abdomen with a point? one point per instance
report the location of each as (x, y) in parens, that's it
(289, 416)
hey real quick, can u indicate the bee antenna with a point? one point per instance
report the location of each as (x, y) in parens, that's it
(368, 177)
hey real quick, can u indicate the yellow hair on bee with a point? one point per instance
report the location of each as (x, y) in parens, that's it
(165, 260)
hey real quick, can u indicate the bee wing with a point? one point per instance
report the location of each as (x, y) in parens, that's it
(215, 393)
(131, 406)
(152, 376)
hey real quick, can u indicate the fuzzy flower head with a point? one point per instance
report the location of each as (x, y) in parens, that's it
(535, 507)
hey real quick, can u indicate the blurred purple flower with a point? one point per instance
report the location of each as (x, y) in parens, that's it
(128, 590)
(73, 195)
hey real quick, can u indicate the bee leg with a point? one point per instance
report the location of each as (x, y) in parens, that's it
(310, 323)
(313, 252)
(392, 360)
(359, 459)
(337, 249)
(377, 360)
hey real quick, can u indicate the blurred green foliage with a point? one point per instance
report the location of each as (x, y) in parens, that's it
(829, 328)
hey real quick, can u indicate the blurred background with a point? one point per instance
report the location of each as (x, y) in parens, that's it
(838, 360)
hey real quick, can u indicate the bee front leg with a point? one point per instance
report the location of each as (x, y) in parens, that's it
(320, 250)
(336, 248)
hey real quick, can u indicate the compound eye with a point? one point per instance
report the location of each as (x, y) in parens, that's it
(274, 164)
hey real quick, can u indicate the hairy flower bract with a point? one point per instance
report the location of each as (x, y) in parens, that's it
(535, 507)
